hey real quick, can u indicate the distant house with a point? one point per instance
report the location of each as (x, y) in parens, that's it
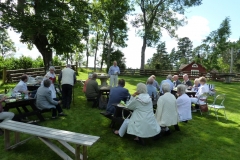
(193, 69)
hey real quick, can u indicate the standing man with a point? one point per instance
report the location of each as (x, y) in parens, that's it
(68, 79)
(113, 72)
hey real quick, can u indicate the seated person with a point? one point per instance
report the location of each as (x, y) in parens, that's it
(142, 123)
(187, 82)
(168, 80)
(176, 81)
(21, 87)
(4, 115)
(92, 90)
(166, 113)
(44, 100)
(203, 89)
(117, 94)
(196, 85)
(152, 91)
(86, 82)
(183, 104)
(155, 83)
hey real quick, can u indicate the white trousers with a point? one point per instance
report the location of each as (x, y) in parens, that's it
(113, 80)
(6, 116)
(195, 101)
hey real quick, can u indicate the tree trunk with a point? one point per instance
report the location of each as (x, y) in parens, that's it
(109, 48)
(104, 43)
(96, 49)
(143, 52)
(87, 52)
(41, 42)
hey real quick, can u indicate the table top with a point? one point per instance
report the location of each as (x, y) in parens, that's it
(105, 88)
(13, 100)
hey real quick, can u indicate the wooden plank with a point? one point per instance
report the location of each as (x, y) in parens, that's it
(46, 132)
(55, 148)
(84, 153)
(20, 143)
(77, 152)
(6, 138)
(70, 148)
(17, 137)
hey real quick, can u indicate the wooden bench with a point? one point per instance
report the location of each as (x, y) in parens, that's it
(46, 134)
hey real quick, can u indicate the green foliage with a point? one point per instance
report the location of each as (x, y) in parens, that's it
(184, 51)
(57, 61)
(6, 44)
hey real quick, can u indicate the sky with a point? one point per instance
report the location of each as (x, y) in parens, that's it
(201, 21)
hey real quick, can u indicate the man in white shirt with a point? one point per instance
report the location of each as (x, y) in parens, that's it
(68, 79)
(113, 72)
(21, 87)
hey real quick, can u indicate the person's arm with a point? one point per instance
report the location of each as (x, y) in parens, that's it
(60, 77)
(132, 103)
(96, 87)
(118, 70)
(158, 113)
(49, 98)
(109, 71)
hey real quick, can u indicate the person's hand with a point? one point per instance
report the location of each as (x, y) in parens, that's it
(135, 94)
(59, 102)
(25, 92)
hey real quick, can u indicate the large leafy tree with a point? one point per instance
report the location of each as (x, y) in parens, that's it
(185, 50)
(47, 24)
(6, 44)
(158, 15)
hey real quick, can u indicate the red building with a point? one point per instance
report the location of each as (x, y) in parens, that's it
(192, 69)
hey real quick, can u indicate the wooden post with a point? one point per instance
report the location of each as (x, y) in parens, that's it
(84, 152)
(6, 138)
(4, 75)
(77, 152)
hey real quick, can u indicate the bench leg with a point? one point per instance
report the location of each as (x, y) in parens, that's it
(84, 152)
(6, 138)
(77, 152)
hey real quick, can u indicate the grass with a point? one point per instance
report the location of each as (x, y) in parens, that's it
(202, 138)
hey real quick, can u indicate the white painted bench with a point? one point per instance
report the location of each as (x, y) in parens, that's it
(46, 134)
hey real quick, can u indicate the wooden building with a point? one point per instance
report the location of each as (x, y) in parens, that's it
(194, 69)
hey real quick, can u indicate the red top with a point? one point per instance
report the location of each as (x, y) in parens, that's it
(53, 79)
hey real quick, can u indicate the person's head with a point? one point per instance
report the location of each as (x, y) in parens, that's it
(68, 65)
(169, 77)
(181, 89)
(115, 63)
(150, 81)
(94, 76)
(153, 76)
(121, 82)
(185, 77)
(196, 82)
(202, 80)
(141, 88)
(47, 83)
(175, 77)
(165, 87)
(51, 69)
(24, 78)
(90, 76)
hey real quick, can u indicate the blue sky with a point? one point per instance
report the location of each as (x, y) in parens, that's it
(201, 21)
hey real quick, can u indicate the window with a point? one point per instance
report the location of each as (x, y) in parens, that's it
(195, 66)
(195, 73)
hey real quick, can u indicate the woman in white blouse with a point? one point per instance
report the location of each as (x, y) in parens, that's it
(203, 89)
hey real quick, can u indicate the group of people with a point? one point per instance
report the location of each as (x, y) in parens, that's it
(169, 112)
(45, 95)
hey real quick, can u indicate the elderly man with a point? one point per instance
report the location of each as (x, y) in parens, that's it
(117, 94)
(166, 113)
(68, 79)
(168, 80)
(176, 81)
(44, 100)
(155, 83)
(183, 104)
(113, 72)
(186, 81)
(152, 91)
(21, 87)
(86, 82)
(92, 90)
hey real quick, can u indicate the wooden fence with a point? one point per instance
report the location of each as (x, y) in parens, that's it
(15, 75)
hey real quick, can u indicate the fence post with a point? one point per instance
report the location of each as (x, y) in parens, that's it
(4, 75)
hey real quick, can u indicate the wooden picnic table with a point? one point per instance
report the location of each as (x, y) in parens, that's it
(21, 106)
(32, 87)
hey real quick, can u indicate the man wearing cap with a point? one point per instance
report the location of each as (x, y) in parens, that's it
(67, 77)
(113, 72)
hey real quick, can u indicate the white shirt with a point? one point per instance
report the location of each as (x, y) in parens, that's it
(184, 108)
(20, 87)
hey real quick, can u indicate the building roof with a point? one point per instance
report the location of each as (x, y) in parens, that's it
(183, 66)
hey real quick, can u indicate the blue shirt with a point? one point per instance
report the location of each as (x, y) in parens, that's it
(152, 90)
(167, 81)
(155, 84)
(113, 70)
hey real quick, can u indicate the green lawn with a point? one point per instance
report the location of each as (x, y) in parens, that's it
(202, 138)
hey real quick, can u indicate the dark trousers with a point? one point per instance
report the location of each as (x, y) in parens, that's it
(57, 109)
(66, 95)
